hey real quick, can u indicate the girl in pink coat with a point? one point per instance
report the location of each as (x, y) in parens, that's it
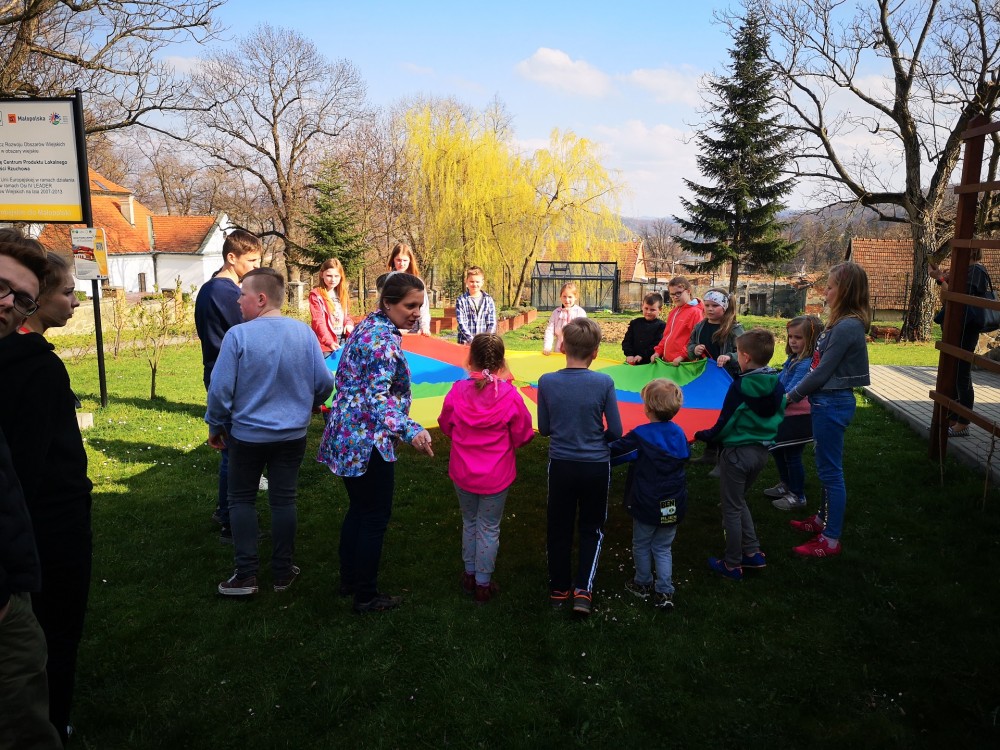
(486, 419)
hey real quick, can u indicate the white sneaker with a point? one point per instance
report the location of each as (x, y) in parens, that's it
(262, 486)
(789, 501)
(779, 490)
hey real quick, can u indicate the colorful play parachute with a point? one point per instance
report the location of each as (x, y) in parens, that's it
(435, 364)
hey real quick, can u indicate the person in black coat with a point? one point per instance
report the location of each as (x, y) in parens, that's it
(644, 333)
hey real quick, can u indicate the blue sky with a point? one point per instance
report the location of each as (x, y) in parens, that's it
(625, 75)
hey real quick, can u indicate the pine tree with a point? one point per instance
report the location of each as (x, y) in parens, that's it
(333, 226)
(742, 150)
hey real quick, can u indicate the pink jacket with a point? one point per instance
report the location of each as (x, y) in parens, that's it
(485, 427)
(680, 322)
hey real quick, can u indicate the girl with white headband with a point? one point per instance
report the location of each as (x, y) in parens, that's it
(715, 338)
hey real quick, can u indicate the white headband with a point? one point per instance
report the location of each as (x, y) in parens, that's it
(722, 300)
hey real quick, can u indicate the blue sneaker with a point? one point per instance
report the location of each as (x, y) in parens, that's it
(720, 567)
(755, 561)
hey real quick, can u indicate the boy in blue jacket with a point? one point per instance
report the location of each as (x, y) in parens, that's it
(655, 490)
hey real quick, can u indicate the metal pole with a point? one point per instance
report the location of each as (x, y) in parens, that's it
(88, 217)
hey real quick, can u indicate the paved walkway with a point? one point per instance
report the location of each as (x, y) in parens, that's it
(903, 391)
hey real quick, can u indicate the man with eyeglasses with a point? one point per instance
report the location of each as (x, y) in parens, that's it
(24, 691)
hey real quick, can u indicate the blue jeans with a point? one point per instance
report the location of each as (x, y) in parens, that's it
(363, 530)
(653, 545)
(788, 460)
(832, 411)
(481, 515)
(246, 464)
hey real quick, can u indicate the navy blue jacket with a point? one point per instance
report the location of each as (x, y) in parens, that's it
(216, 310)
(656, 488)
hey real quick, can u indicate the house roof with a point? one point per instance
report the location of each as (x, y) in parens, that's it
(889, 265)
(170, 234)
(182, 234)
(628, 255)
(101, 184)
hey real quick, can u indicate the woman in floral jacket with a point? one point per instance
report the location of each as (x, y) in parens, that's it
(370, 413)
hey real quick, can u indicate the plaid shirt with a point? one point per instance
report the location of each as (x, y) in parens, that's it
(473, 319)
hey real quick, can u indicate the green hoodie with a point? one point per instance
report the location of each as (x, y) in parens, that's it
(752, 411)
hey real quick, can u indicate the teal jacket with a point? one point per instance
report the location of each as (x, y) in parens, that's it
(752, 411)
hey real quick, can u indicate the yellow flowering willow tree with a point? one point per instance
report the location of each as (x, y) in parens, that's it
(477, 201)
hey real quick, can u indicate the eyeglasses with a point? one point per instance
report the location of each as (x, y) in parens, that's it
(24, 303)
(678, 293)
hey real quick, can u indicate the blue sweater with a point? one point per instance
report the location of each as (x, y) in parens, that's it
(269, 376)
(573, 405)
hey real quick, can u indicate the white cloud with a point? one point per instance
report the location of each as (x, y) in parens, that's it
(183, 64)
(652, 160)
(555, 69)
(668, 85)
(417, 70)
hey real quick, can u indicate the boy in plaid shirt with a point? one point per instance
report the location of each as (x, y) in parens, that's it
(475, 309)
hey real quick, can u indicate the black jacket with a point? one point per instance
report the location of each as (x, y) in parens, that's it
(19, 569)
(38, 416)
(640, 338)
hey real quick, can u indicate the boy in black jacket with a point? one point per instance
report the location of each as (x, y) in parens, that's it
(644, 333)
(656, 489)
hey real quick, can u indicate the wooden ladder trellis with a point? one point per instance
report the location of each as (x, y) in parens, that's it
(964, 241)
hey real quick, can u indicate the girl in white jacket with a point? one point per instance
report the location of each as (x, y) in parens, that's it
(560, 317)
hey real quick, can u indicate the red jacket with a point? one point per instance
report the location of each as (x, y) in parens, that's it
(680, 322)
(323, 324)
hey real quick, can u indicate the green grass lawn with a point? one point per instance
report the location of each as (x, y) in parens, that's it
(891, 645)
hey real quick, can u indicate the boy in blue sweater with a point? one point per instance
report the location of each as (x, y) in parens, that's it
(655, 490)
(269, 377)
(748, 423)
(573, 406)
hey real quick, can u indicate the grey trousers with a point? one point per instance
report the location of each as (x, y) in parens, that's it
(738, 469)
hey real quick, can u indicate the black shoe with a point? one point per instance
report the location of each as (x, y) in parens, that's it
(217, 517)
(663, 601)
(226, 535)
(381, 603)
(236, 586)
(282, 583)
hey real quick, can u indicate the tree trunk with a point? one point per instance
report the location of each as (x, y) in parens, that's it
(152, 382)
(734, 274)
(920, 307)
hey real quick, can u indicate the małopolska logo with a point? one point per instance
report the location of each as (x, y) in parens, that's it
(12, 118)
(55, 118)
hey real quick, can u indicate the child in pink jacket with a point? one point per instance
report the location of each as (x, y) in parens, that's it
(486, 419)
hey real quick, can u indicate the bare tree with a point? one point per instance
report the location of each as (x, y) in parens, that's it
(107, 48)
(271, 110)
(941, 59)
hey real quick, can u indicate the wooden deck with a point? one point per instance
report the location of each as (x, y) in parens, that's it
(903, 391)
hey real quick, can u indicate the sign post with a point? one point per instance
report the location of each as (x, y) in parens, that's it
(44, 177)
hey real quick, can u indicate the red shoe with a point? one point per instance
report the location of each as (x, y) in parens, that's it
(468, 583)
(487, 592)
(818, 547)
(558, 598)
(811, 525)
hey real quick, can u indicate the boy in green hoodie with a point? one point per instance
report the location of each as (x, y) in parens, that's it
(748, 423)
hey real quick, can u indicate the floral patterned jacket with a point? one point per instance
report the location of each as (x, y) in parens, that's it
(372, 402)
